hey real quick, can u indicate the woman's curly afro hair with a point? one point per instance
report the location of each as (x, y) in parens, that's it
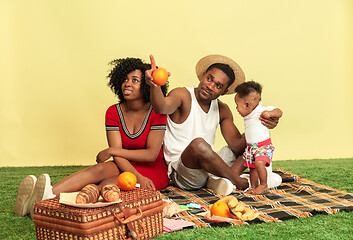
(121, 68)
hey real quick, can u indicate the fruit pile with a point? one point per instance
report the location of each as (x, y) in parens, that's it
(230, 207)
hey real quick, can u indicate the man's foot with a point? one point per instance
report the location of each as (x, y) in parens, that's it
(24, 194)
(260, 189)
(221, 186)
(42, 191)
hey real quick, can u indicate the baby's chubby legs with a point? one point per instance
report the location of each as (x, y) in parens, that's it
(258, 177)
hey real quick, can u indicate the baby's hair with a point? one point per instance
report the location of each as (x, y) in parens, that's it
(246, 88)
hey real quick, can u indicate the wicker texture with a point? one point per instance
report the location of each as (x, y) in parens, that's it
(58, 221)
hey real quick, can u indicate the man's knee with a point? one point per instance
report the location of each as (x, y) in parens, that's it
(227, 155)
(200, 149)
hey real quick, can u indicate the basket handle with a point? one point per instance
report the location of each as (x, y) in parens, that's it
(130, 218)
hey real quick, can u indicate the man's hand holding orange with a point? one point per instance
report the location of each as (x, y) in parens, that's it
(156, 76)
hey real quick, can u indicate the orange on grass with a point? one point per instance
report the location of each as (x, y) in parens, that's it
(160, 76)
(220, 209)
(127, 181)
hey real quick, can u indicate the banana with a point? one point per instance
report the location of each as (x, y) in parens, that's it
(247, 214)
(232, 201)
(238, 215)
(239, 207)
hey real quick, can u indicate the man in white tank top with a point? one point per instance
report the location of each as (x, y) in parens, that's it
(193, 117)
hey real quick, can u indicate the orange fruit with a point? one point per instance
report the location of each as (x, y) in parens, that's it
(160, 76)
(127, 181)
(220, 209)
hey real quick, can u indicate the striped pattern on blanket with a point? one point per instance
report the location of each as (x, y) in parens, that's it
(296, 197)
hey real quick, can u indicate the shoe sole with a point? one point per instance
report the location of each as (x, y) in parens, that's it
(24, 194)
(41, 190)
(220, 185)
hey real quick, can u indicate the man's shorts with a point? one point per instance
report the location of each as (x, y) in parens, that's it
(188, 178)
(261, 151)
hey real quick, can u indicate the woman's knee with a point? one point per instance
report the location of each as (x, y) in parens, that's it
(106, 168)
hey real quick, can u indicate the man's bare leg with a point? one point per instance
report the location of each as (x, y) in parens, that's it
(238, 168)
(199, 155)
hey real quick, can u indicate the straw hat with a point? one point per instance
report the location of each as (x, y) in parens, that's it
(207, 61)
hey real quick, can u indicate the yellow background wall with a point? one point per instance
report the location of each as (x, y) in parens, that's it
(54, 61)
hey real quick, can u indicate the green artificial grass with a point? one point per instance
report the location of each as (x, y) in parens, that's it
(336, 173)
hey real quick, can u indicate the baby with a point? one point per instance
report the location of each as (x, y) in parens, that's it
(259, 150)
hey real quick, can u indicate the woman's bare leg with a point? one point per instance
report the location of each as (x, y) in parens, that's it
(106, 171)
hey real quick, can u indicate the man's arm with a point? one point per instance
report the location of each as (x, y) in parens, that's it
(161, 104)
(168, 104)
(230, 132)
(271, 118)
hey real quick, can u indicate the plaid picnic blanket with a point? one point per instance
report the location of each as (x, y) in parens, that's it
(296, 197)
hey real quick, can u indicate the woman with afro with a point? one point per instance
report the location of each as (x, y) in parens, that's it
(135, 135)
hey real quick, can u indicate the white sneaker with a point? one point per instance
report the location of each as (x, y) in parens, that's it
(24, 194)
(222, 186)
(42, 191)
(273, 179)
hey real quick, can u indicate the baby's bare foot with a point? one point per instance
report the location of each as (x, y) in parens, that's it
(250, 191)
(260, 189)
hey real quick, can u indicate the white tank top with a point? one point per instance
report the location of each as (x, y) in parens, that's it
(197, 125)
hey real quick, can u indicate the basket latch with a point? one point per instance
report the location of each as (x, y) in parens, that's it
(130, 219)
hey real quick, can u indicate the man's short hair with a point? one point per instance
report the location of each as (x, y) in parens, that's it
(224, 68)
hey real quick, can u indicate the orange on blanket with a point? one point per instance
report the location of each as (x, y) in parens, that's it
(220, 209)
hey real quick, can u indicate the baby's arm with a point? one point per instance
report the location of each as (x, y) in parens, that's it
(275, 113)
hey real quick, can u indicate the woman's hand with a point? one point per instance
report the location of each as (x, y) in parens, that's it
(145, 182)
(103, 155)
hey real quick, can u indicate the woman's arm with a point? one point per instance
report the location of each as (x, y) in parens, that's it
(149, 154)
(114, 141)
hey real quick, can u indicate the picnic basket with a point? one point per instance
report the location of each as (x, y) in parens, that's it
(138, 216)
